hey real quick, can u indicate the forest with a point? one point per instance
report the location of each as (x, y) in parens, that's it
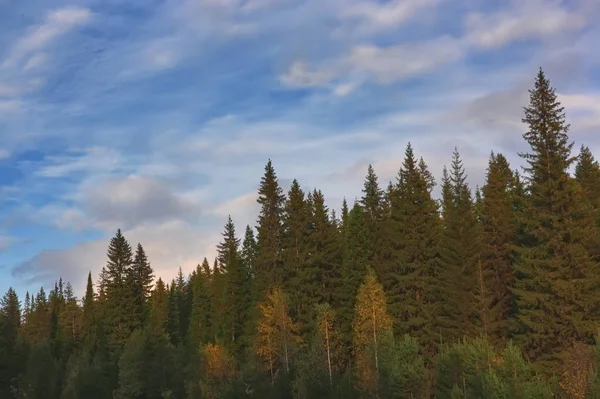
(491, 292)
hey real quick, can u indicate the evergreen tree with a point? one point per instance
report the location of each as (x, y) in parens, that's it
(200, 330)
(141, 279)
(354, 268)
(499, 234)
(89, 321)
(10, 356)
(248, 252)
(159, 311)
(373, 205)
(298, 277)
(415, 228)
(117, 294)
(556, 278)
(268, 255)
(459, 257)
(237, 288)
(173, 323)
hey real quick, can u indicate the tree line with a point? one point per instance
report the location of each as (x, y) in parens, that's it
(485, 293)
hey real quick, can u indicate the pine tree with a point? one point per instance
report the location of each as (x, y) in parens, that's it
(556, 278)
(415, 228)
(459, 257)
(498, 220)
(372, 333)
(268, 256)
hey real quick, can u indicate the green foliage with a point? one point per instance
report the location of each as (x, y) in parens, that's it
(556, 276)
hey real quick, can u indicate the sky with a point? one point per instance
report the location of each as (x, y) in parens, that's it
(157, 117)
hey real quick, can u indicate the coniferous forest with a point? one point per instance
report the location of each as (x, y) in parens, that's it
(485, 293)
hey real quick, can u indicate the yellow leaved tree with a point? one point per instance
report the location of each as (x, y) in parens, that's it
(277, 334)
(372, 333)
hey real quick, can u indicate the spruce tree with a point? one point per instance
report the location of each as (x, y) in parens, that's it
(200, 329)
(373, 205)
(140, 280)
(354, 268)
(248, 252)
(10, 356)
(269, 228)
(556, 283)
(298, 277)
(159, 311)
(89, 321)
(459, 257)
(498, 220)
(236, 290)
(118, 298)
(173, 323)
(415, 228)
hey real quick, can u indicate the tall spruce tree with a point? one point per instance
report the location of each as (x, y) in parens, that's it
(248, 252)
(415, 226)
(10, 354)
(373, 205)
(298, 277)
(498, 220)
(556, 283)
(237, 289)
(140, 279)
(459, 257)
(354, 267)
(269, 228)
(200, 329)
(118, 302)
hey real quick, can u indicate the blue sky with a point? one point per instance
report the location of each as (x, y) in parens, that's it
(157, 117)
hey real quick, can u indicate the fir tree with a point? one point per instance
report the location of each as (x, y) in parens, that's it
(173, 323)
(89, 321)
(556, 278)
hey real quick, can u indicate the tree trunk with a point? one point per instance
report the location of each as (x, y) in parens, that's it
(328, 353)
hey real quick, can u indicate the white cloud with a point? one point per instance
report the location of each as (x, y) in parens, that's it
(300, 75)
(57, 23)
(525, 20)
(388, 64)
(374, 16)
(4, 154)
